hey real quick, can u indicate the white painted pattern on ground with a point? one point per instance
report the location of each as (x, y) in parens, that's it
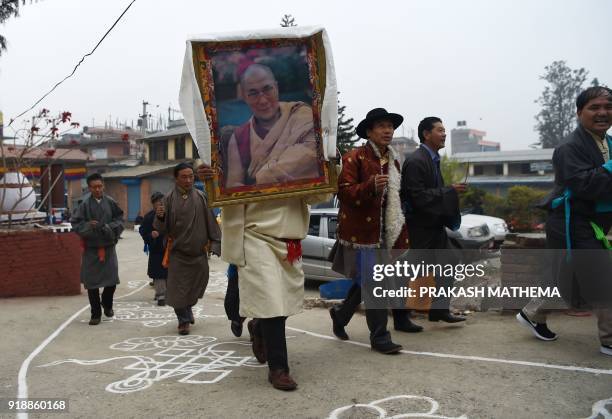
(602, 409)
(469, 357)
(377, 407)
(150, 314)
(217, 283)
(22, 383)
(195, 359)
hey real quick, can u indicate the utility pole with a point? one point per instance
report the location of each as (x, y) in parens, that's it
(144, 118)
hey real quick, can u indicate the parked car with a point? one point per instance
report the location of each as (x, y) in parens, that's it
(497, 226)
(472, 235)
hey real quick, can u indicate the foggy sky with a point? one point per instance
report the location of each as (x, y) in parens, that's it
(478, 61)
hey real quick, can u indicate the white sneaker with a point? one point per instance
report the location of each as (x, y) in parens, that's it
(606, 349)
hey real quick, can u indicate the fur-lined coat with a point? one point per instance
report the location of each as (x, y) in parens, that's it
(367, 219)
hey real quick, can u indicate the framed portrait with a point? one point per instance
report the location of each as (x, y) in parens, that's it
(259, 107)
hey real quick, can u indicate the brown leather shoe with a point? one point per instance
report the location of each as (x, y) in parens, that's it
(281, 380)
(183, 329)
(259, 346)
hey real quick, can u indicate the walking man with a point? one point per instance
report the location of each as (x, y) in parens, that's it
(192, 232)
(99, 223)
(580, 217)
(370, 218)
(430, 207)
(155, 243)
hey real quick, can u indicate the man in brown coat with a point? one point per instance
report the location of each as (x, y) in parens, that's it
(192, 232)
(370, 217)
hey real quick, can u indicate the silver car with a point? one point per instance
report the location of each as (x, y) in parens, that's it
(472, 235)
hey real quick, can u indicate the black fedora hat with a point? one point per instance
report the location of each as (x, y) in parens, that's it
(375, 115)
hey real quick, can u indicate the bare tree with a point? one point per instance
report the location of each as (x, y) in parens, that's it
(34, 142)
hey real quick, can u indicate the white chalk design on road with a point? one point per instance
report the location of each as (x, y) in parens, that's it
(150, 314)
(22, 382)
(601, 409)
(217, 282)
(192, 359)
(377, 408)
(571, 368)
(136, 284)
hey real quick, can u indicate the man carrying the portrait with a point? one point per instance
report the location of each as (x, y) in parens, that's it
(277, 144)
(263, 239)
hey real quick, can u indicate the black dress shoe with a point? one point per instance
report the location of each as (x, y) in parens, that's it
(409, 327)
(94, 321)
(387, 348)
(108, 312)
(258, 346)
(444, 316)
(337, 328)
(161, 303)
(236, 327)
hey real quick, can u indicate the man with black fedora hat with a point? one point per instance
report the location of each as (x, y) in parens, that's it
(370, 218)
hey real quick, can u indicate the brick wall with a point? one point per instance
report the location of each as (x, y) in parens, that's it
(118, 191)
(39, 263)
(522, 265)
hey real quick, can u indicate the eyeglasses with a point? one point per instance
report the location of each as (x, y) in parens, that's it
(267, 91)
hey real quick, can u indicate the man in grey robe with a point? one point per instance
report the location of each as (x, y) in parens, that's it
(99, 222)
(192, 233)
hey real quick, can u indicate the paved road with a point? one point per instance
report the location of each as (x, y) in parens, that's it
(137, 366)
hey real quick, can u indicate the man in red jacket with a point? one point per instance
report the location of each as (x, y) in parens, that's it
(370, 218)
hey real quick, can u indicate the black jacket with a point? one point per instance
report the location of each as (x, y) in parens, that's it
(429, 206)
(156, 247)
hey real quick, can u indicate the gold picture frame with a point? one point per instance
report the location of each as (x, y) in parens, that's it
(242, 83)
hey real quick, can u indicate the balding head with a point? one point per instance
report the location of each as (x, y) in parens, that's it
(256, 71)
(260, 91)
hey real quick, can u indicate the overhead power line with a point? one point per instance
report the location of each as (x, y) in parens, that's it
(75, 67)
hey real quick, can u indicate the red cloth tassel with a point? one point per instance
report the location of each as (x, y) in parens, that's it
(294, 250)
(101, 254)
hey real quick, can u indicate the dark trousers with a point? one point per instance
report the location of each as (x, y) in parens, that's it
(184, 315)
(375, 318)
(232, 299)
(94, 300)
(273, 332)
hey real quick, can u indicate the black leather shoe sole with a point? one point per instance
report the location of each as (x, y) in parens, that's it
(411, 328)
(389, 349)
(447, 319)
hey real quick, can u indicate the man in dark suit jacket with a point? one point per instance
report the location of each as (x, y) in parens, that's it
(430, 206)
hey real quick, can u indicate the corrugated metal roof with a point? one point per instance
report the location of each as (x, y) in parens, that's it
(180, 130)
(540, 154)
(138, 171)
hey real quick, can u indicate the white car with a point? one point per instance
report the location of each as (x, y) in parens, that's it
(473, 236)
(497, 226)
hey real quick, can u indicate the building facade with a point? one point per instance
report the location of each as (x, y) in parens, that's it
(132, 187)
(496, 171)
(468, 140)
